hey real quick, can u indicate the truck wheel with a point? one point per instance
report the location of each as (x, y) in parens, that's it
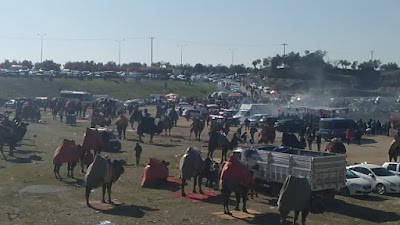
(345, 192)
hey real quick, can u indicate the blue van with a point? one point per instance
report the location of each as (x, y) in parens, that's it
(335, 127)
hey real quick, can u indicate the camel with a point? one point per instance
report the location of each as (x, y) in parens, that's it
(122, 123)
(136, 116)
(66, 153)
(11, 135)
(219, 140)
(236, 178)
(394, 149)
(191, 165)
(296, 195)
(99, 120)
(93, 140)
(147, 126)
(167, 123)
(335, 146)
(197, 127)
(102, 172)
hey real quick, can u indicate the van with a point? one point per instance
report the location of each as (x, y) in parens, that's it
(330, 128)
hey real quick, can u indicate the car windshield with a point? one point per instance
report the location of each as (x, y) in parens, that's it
(382, 172)
(255, 117)
(350, 175)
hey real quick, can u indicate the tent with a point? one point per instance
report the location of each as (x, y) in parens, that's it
(171, 95)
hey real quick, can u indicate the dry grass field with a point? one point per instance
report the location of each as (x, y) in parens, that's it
(29, 193)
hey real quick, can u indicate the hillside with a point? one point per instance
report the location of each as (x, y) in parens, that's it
(23, 87)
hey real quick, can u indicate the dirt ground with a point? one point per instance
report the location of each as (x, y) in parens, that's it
(30, 194)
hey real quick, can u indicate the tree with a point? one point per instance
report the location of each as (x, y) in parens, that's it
(199, 68)
(5, 65)
(344, 63)
(237, 69)
(266, 62)
(48, 65)
(389, 67)
(376, 63)
(354, 65)
(366, 66)
(258, 62)
(254, 64)
(276, 61)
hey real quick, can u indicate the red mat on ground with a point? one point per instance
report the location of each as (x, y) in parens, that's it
(192, 197)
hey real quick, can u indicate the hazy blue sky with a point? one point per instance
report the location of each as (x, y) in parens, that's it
(78, 29)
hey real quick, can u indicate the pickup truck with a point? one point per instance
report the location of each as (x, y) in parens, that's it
(271, 165)
(394, 167)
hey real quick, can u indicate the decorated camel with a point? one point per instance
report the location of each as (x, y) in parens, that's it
(235, 177)
(67, 152)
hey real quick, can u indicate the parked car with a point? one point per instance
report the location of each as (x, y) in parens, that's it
(110, 139)
(288, 125)
(394, 167)
(335, 127)
(355, 185)
(255, 119)
(10, 104)
(269, 120)
(190, 113)
(381, 179)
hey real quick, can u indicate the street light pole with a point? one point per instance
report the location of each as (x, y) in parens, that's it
(41, 46)
(233, 55)
(119, 50)
(151, 42)
(181, 46)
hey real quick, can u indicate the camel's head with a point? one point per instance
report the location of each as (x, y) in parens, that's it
(118, 167)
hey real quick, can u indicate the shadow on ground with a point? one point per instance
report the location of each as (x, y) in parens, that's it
(361, 212)
(128, 210)
(25, 160)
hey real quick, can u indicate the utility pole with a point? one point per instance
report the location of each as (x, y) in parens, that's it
(181, 46)
(284, 49)
(119, 50)
(372, 55)
(151, 41)
(284, 54)
(233, 55)
(41, 46)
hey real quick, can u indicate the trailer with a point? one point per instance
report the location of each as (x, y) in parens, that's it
(271, 165)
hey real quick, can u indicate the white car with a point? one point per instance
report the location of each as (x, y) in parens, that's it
(394, 167)
(255, 119)
(355, 185)
(382, 180)
(190, 113)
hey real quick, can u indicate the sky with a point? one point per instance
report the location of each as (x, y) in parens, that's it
(210, 31)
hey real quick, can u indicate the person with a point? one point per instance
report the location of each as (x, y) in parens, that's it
(81, 152)
(239, 130)
(318, 141)
(85, 107)
(247, 124)
(310, 139)
(253, 130)
(303, 143)
(61, 114)
(348, 136)
(54, 113)
(138, 152)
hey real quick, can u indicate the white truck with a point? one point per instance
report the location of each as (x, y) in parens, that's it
(271, 165)
(248, 110)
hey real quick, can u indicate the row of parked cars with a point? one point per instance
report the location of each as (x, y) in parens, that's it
(362, 179)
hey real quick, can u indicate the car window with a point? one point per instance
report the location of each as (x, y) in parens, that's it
(382, 172)
(392, 167)
(350, 175)
(361, 170)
